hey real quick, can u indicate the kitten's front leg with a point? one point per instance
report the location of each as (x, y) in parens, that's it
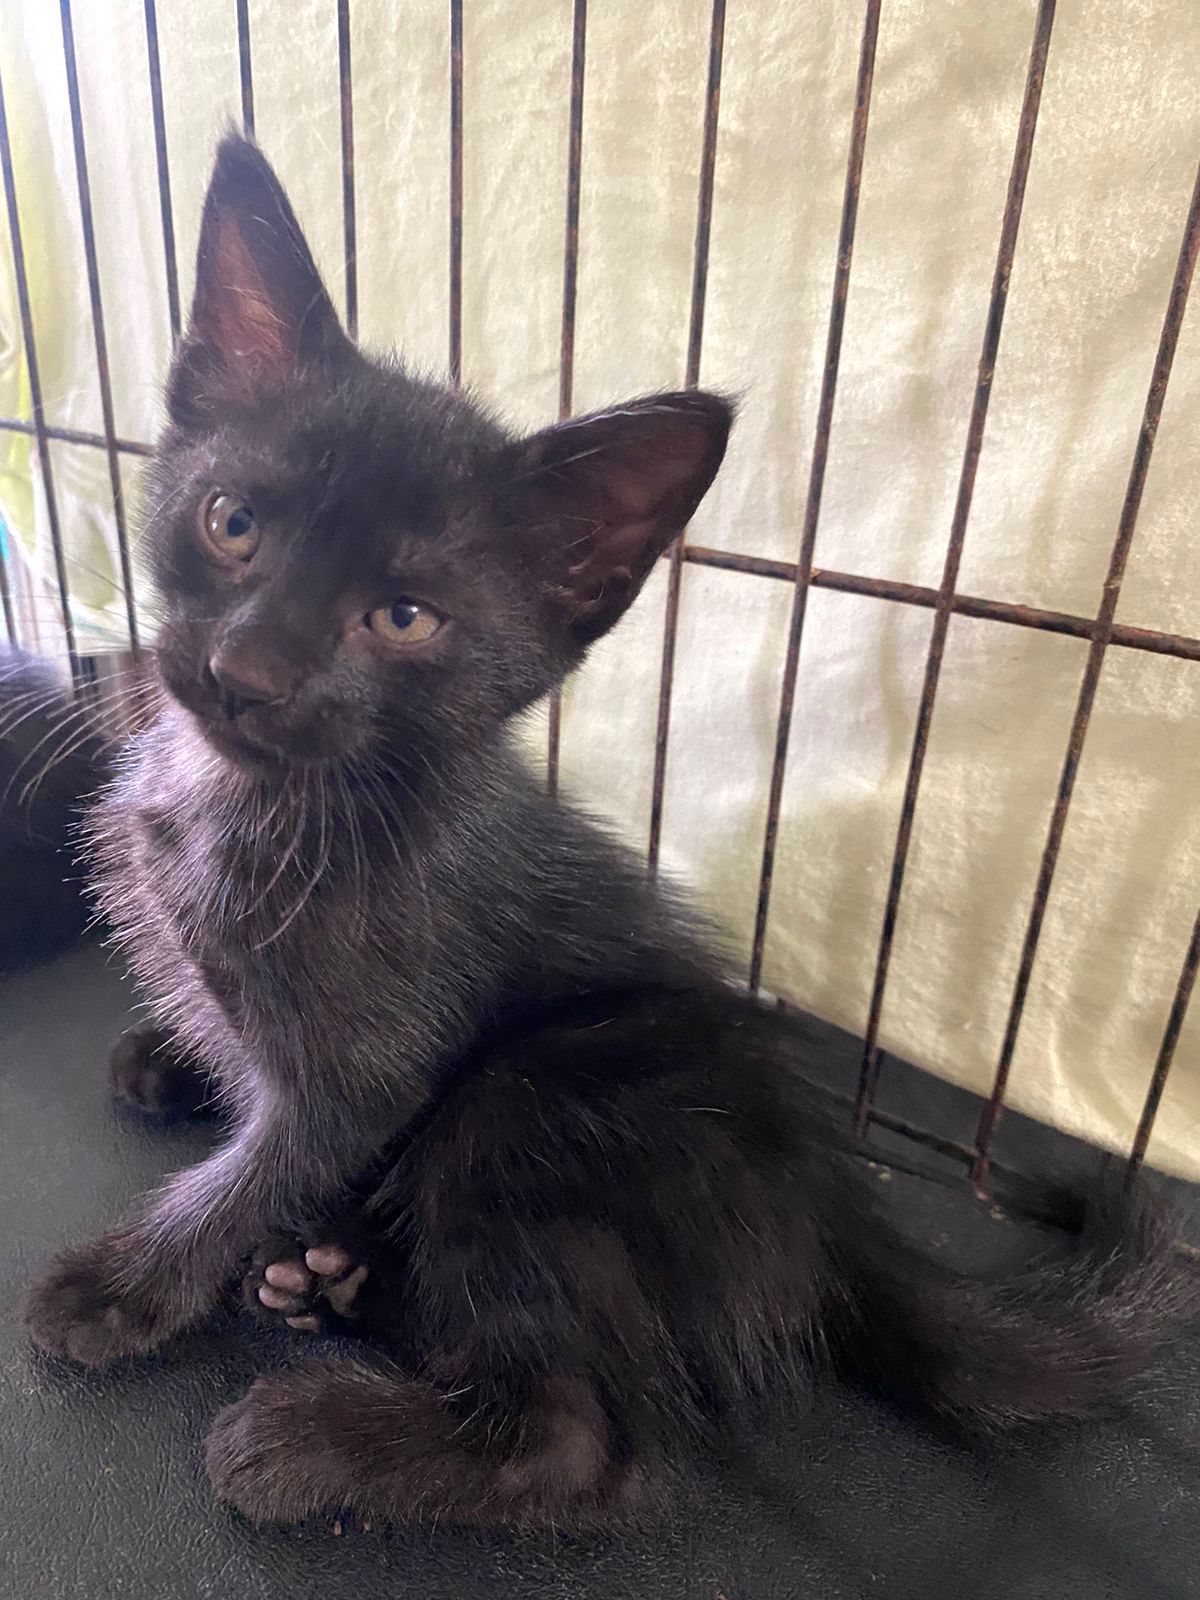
(127, 1292)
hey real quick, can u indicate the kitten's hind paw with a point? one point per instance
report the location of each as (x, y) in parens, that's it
(151, 1076)
(313, 1287)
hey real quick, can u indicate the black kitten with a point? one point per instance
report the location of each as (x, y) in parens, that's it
(494, 1102)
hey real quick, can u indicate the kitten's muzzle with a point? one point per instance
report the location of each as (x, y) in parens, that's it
(242, 680)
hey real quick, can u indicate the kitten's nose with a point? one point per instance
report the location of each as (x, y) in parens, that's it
(245, 678)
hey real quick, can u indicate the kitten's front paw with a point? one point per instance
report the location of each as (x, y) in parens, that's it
(261, 1451)
(75, 1311)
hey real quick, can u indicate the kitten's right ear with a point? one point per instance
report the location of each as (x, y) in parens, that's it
(260, 310)
(595, 501)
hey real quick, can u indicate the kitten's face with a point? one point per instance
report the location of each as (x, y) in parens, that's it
(355, 565)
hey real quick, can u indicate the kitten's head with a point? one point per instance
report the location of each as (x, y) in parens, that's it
(352, 558)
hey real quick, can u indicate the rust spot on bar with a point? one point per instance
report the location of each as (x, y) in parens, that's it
(1026, 129)
(708, 162)
(154, 72)
(456, 188)
(38, 426)
(1127, 523)
(349, 221)
(1166, 1051)
(566, 364)
(816, 476)
(247, 76)
(99, 340)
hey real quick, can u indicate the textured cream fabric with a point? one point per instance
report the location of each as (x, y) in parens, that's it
(1108, 190)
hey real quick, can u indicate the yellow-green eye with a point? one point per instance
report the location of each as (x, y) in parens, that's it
(404, 622)
(229, 528)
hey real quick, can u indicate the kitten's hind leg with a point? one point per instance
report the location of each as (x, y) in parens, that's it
(152, 1075)
(334, 1435)
(312, 1283)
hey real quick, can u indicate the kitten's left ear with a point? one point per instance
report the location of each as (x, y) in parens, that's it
(260, 310)
(595, 501)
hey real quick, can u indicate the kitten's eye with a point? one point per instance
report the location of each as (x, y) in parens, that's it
(404, 622)
(229, 528)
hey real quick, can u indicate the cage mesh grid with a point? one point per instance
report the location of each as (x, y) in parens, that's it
(946, 601)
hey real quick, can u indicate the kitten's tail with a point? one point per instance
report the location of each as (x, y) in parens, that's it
(1063, 1337)
(51, 759)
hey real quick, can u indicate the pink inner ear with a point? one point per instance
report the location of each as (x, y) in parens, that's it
(247, 326)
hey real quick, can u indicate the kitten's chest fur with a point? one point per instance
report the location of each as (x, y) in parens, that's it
(328, 926)
(253, 918)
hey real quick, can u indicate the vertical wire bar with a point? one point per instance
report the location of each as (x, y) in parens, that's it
(99, 339)
(456, 188)
(816, 476)
(154, 71)
(244, 68)
(349, 219)
(1166, 1052)
(1127, 523)
(566, 364)
(704, 204)
(41, 437)
(10, 621)
(1009, 228)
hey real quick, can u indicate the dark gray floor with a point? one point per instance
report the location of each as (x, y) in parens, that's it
(102, 1494)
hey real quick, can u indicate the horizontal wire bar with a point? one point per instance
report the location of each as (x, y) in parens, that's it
(131, 447)
(913, 594)
(967, 605)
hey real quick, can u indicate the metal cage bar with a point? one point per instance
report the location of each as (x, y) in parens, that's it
(1166, 1051)
(245, 71)
(38, 427)
(6, 605)
(566, 359)
(456, 188)
(704, 204)
(166, 214)
(349, 215)
(802, 574)
(1143, 451)
(998, 299)
(99, 336)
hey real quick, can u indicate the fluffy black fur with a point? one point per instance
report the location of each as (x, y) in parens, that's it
(464, 1041)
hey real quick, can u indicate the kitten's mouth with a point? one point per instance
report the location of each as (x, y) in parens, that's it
(232, 739)
(261, 740)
